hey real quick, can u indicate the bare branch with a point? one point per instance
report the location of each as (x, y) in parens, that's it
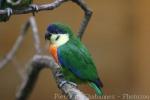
(55, 4)
(87, 15)
(35, 35)
(20, 39)
(43, 7)
(39, 62)
(28, 81)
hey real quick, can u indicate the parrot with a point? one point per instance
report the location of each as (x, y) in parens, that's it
(10, 5)
(74, 58)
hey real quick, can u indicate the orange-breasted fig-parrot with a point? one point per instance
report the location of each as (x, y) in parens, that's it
(11, 5)
(73, 57)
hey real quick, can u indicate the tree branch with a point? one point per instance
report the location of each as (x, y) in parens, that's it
(87, 12)
(39, 62)
(87, 16)
(31, 22)
(43, 7)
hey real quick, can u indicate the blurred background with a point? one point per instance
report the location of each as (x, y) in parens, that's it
(117, 37)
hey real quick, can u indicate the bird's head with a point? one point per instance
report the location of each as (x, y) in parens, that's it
(58, 34)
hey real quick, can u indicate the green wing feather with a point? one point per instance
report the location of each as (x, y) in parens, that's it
(78, 65)
(74, 56)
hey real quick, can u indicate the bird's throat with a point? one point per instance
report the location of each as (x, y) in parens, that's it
(53, 51)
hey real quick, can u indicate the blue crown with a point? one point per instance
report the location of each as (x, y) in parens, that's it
(55, 29)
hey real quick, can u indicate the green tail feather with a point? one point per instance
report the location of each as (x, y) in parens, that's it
(98, 91)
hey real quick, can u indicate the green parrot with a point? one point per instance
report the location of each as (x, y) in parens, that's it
(70, 53)
(9, 5)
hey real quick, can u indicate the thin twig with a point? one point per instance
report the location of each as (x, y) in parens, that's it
(35, 35)
(31, 22)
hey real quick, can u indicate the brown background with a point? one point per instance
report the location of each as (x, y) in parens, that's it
(117, 36)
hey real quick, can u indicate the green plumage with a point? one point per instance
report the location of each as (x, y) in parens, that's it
(73, 56)
(4, 4)
(76, 55)
(80, 67)
(99, 90)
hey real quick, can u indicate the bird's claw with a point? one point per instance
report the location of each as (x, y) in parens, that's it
(35, 8)
(64, 82)
(72, 83)
(9, 12)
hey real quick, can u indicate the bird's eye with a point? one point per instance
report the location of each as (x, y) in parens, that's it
(57, 38)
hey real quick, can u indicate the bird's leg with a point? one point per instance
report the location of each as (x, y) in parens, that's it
(9, 11)
(35, 8)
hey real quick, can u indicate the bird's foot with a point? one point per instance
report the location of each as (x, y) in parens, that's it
(67, 82)
(62, 83)
(72, 83)
(35, 8)
(9, 11)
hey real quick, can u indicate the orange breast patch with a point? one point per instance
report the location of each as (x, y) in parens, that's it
(53, 51)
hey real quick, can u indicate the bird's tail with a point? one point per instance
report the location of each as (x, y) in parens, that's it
(97, 89)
